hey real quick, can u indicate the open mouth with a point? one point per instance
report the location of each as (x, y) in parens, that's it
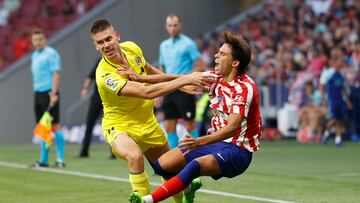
(109, 52)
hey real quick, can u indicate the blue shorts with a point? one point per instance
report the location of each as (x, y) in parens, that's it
(337, 111)
(233, 160)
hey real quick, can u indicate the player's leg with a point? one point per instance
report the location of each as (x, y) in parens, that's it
(168, 165)
(40, 104)
(326, 135)
(186, 105)
(60, 145)
(126, 148)
(177, 183)
(171, 115)
(93, 113)
(152, 155)
(59, 136)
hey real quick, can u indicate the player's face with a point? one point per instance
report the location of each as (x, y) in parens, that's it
(224, 61)
(38, 41)
(173, 26)
(107, 42)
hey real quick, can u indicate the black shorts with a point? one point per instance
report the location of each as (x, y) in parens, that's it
(179, 105)
(42, 100)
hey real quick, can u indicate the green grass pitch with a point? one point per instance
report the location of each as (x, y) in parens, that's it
(281, 170)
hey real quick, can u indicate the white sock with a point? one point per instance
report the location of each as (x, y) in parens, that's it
(148, 199)
(326, 133)
(337, 139)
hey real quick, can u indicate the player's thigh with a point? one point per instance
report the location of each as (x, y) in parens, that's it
(40, 104)
(55, 112)
(154, 153)
(185, 103)
(124, 147)
(172, 161)
(169, 107)
(209, 165)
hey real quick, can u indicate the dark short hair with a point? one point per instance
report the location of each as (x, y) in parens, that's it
(99, 25)
(240, 50)
(37, 31)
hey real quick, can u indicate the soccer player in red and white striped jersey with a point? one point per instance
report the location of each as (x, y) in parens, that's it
(234, 134)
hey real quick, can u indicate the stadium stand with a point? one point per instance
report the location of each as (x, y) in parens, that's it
(291, 43)
(17, 17)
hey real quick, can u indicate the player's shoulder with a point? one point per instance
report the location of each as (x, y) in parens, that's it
(165, 42)
(245, 81)
(101, 66)
(186, 39)
(131, 46)
(51, 50)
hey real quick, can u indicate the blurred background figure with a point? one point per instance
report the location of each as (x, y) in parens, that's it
(337, 101)
(94, 111)
(179, 55)
(311, 115)
(45, 68)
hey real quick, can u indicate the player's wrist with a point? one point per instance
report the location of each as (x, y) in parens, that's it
(53, 93)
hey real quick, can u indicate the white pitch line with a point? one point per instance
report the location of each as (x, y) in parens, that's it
(349, 174)
(118, 179)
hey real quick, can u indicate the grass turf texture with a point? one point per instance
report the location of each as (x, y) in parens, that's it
(283, 170)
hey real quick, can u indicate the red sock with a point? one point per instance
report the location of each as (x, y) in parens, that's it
(168, 189)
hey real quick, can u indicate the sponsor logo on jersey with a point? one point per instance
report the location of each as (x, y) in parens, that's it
(111, 83)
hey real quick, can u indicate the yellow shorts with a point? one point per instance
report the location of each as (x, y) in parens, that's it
(146, 136)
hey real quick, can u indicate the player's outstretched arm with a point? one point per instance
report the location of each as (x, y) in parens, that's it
(234, 124)
(136, 89)
(153, 75)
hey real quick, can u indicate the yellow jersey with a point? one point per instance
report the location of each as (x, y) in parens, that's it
(123, 113)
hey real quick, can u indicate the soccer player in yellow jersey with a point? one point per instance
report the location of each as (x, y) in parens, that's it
(129, 124)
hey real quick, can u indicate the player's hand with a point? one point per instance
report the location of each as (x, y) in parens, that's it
(202, 79)
(54, 98)
(129, 73)
(187, 144)
(84, 93)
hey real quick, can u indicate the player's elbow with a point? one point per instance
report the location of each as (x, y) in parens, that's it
(233, 127)
(149, 93)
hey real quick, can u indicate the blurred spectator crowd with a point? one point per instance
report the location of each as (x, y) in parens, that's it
(293, 43)
(18, 17)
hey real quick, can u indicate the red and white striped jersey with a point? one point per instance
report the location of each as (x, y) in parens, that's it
(239, 96)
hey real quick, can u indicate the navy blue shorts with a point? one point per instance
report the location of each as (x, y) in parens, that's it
(233, 160)
(337, 111)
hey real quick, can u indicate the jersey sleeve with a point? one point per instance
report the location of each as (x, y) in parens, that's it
(136, 50)
(55, 62)
(140, 53)
(241, 100)
(111, 83)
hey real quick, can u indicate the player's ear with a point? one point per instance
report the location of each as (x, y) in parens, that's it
(236, 63)
(117, 34)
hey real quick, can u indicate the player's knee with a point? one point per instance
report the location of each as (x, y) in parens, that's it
(160, 171)
(136, 156)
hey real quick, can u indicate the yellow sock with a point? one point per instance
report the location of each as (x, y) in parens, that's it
(140, 183)
(177, 197)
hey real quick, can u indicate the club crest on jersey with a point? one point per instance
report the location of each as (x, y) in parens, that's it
(219, 98)
(111, 83)
(239, 99)
(138, 60)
